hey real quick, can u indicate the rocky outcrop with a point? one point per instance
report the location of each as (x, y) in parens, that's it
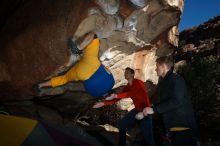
(133, 33)
(203, 40)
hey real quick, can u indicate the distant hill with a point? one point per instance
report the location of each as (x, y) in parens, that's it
(203, 40)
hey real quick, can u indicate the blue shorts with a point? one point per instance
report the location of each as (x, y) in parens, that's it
(100, 83)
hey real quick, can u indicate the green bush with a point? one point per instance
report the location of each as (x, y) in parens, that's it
(202, 76)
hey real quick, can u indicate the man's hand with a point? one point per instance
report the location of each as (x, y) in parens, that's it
(98, 105)
(148, 110)
(112, 96)
(139, 116)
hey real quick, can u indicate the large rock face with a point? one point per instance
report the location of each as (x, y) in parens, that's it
(133, 33)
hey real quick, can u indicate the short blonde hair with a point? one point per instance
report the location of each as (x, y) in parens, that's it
(168, 60)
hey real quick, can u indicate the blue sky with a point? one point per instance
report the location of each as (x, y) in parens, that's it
(198, 11)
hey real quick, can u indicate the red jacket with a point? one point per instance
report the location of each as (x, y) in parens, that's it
(137, 92)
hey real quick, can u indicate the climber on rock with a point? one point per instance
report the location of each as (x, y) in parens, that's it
(97, 80)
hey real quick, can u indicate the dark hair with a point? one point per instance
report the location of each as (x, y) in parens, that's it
(168, 60)
(130, 69)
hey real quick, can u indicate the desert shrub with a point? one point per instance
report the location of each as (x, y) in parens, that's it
(202, 76)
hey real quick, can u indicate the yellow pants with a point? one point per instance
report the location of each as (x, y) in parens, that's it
(84, 69)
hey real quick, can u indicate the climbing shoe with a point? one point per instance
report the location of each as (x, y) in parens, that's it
(72, 45)
(36, 88)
